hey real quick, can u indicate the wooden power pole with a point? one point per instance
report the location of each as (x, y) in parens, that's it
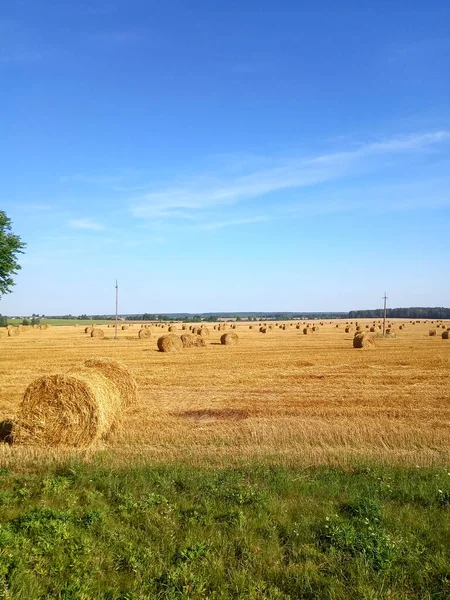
(384, 313)
(117, 310)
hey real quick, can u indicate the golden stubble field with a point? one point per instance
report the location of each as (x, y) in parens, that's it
(285, 396)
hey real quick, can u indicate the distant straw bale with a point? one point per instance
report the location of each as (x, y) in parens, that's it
(432, 332)
(362, 340)
(13, 331)
(119, 374)
(372, 329)
(229, 339)
(348, 329)
(445, 335)
(264, 330)
(144, 333)
(88, 329)
(306, 330)
(97, 333)
(172, 328)
(190, 340)
(72, 410)
(170, 343)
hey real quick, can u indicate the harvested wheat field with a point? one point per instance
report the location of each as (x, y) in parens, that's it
(311, 399)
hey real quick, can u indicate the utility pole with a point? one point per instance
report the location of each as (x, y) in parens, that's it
(117, 309)
(384, 313)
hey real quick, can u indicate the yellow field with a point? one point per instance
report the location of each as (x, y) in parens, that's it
(306, 399)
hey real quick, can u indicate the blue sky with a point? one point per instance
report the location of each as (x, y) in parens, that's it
(226, 156)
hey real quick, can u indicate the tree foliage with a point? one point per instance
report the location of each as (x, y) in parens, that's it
(10, 246)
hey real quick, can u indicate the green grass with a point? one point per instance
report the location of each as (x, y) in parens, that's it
(79, 322)
(255, 532)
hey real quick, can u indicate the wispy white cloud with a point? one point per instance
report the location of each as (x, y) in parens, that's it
(90, 224)
(190, 198)
(232, 222)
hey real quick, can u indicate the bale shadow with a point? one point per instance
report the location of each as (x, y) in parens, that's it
(6, 428)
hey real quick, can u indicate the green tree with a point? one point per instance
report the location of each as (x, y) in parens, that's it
(10, 246)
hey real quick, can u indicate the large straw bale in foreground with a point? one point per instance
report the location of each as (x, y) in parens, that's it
(170, 343)
(229, 339)
(73, 410)
(362, 340)
(119, 374)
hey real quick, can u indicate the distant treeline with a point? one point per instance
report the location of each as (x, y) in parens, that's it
(414, 312)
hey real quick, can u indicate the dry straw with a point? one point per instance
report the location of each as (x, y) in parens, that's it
(229, 339)
(432, 332)
(170, 343)
(172, 328)
(306, 330)
(97, 333)
(144, 333)
(88, 329)
(192, 341)
(362, 340)
(74, 410)
(13, 331)
(445, 335)
(119, 374)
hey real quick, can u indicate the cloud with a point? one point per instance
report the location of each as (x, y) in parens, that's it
(232, 223)
(191, 197)
(89, 224)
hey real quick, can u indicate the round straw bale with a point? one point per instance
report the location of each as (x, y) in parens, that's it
(192, 341)
(183, 327)
(119, 374)
(445, 334)
(144, 333)
(264, 330)
(362, 340)
(348, 329)
(169, 343)
(97, 333)
(88, 329)
(204, 332)
(372, 329)
(432, 332)
(13, 331)
(306, 330)
(172, 328)
(229, 339)
(124, 327)
(74, 410)
(9, 326)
